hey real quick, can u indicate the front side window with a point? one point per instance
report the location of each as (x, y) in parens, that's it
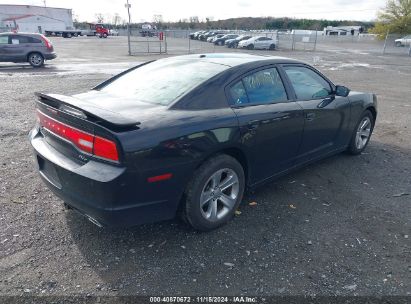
(307, 84)
(265, 86)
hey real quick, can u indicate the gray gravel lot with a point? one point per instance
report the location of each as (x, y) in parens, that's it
(338, 227)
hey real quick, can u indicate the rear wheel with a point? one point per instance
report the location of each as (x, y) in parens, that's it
(398, 43)
(362, 133)
(214, 193)
(220, 43)
(272, 47)
(36, 60)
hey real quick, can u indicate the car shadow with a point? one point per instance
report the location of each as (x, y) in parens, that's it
(27, 68)
(299, 224)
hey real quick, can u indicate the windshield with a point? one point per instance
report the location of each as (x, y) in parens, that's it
(164, 81)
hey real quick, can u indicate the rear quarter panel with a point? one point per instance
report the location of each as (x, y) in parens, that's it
(177, 142)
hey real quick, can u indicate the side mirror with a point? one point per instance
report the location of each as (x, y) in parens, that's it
(342, 91)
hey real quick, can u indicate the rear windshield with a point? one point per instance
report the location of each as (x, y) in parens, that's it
(164, 81)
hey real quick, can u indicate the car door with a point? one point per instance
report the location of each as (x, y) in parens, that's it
(259, 43)
(17, 48)
(271, 126)
(326, 116)
(4, 41)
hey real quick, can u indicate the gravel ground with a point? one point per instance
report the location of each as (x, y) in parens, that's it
(338, 227)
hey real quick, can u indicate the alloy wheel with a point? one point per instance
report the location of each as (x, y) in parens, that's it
(36, 59)
(219, 194)
(363, 133)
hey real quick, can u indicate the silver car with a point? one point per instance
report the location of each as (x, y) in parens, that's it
(26, 47)
(404, 41)
(260, 42)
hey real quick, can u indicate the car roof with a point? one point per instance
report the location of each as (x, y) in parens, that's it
(20, 33)
(233, 59)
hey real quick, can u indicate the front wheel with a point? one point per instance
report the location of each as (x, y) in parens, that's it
(398, 44)
(362, 133)
(36, 60)
(214, 193)
(250, 47)
(105, 35)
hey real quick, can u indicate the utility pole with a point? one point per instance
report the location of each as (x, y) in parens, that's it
(45, 4)
(128, 5)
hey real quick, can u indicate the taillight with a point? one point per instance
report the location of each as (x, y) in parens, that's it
(86, 142)
(47, 42)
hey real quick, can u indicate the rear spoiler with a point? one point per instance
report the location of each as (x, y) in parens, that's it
(77, 107)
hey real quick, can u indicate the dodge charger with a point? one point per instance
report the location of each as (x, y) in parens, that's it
(188, 135)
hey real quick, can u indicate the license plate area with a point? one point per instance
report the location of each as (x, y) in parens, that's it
(48, 171)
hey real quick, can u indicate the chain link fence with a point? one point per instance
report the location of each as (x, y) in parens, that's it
(177, 42)
(396, 45)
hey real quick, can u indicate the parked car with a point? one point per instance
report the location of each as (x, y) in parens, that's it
(113, 32)
(144, 144)
(26, 47)
(205, 37)
(404, 41)
(196, 34)
(213, 38)
(233, 43)
(258, 43)
(221, 40)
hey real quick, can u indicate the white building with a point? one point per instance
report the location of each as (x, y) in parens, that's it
(348, 30)
(29, 18)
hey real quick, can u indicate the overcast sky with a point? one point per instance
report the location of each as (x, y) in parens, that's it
(173, 10)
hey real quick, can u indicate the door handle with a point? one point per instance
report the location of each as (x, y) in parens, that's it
(253, 124)
(310, 116)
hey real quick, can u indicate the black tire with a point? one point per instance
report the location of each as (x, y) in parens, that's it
(250, 47)
(192, 210)
(272, 47)
(398, 44)
(220, 43)
(352, 147)
(35, 59)
(105, 35)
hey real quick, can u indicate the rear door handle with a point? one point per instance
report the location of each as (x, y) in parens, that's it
(253, 124)
(310, 116)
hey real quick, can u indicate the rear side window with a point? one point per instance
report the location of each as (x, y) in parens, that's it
(264, 86)
(4, 39)
(238, 94)
(17, 39)
(307, 84)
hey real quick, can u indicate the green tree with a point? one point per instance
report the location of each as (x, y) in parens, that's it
(395, 18)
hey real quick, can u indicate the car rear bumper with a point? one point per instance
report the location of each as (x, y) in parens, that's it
(50, 56)
(102, 192)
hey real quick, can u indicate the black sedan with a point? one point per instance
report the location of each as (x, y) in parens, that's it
(222, 40)
(187, 135)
